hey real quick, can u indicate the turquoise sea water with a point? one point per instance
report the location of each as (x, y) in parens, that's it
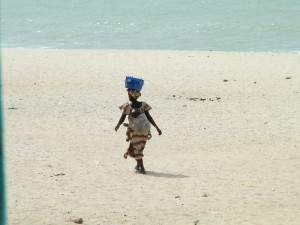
(221, 25)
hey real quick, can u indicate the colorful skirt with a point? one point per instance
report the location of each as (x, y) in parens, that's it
(137, 142)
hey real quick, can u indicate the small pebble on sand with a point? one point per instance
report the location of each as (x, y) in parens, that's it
(79, 220)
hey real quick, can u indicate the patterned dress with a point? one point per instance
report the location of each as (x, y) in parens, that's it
(138, 130)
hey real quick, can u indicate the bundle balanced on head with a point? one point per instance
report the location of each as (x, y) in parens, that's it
(138, 128)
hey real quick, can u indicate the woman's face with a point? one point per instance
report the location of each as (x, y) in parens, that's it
(130, 97)
(133, 95)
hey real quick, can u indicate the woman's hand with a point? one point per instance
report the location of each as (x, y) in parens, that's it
(159, 131)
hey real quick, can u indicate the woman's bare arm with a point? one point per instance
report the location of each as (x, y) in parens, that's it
(121, 120)
(151, 120)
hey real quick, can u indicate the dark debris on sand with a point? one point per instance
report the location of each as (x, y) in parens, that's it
(78, 221)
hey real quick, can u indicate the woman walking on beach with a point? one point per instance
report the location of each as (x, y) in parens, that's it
(138, 129)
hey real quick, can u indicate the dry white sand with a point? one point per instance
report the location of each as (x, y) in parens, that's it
(232, 158)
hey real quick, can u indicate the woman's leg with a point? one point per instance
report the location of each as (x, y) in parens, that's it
(140, 166)
(137, 167)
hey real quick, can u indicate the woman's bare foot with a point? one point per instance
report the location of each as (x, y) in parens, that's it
(143, 171)
(137, 168)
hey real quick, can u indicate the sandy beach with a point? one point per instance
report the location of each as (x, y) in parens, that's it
(229, 152)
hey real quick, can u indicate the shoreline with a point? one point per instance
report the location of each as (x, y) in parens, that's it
(157, 50)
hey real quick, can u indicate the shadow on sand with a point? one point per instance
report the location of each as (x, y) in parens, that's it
(166, 175)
